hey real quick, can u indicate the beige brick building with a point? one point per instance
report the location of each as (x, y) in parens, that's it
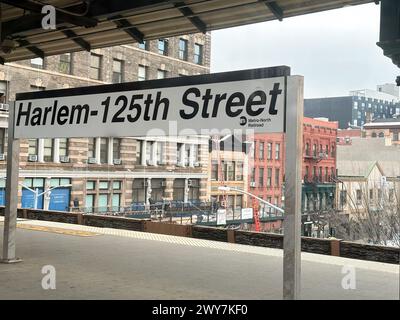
(107, 173)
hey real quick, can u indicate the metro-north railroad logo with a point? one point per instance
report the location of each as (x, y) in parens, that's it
(243, 121)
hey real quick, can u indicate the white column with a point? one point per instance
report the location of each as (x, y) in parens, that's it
(143, 152)
(41, 150)
(191, 155)
(110, 151)
(56, 150)
(154, 147)
(46, 196)
(183, 154)
(98, 144)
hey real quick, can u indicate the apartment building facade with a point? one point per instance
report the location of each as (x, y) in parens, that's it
(228, 165)
(107, 173)
(267, 168)
(358, 108)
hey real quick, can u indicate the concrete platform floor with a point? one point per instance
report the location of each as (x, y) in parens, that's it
(97, 263)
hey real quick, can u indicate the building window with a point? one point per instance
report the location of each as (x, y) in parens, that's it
(63, 147)
(89, 202)
(307, 149)
(37, 63)
(65, 64)
(163, 47)
(90, 185)
(214, 170)
(269, 177)
(343, 198)
(116, 148)
(198, 53)
(2, 139)
(277, 177)
(48, 150)
(358, 196)
(103, 185)
(179, 150)
(229, 170)
(91, 147)
(253, 175)
(277, 151)
(255, 149)
(187, 154)
(261, 151)
(160, 152)
(118, 71)
(239, 171)
(103, 150)
(103, 202)
(161, 74)
(144, 45)
(314, 150)
(142, 73)
(269, 151)
(261, 177)
(95, 66)
(183, 49)
(33, 147)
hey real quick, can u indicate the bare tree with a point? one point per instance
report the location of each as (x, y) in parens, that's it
(374, 216)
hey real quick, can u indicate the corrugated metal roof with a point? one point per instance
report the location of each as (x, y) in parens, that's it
(120, 21)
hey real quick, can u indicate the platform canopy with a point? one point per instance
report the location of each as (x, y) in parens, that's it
(89, 24)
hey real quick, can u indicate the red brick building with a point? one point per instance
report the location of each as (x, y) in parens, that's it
(266, 166)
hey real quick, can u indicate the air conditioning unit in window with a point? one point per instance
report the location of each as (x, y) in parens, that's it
(117, 161)
(64, 159)
(32, 158)
(253, 184)
(91, 160)
(197, 164)
(2, 157)
(4, 106)
(150, 163)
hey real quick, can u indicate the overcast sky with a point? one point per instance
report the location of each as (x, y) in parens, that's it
(334, 50)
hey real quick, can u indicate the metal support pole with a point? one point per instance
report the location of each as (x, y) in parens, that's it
(293, 167)
(35, 199)
(10, 213)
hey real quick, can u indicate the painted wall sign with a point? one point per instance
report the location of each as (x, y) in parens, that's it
(250, 100)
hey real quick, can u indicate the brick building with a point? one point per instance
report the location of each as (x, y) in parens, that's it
(106, 173)
(267, 167)
(228, 167)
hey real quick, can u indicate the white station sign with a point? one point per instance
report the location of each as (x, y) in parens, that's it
(179, 106)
